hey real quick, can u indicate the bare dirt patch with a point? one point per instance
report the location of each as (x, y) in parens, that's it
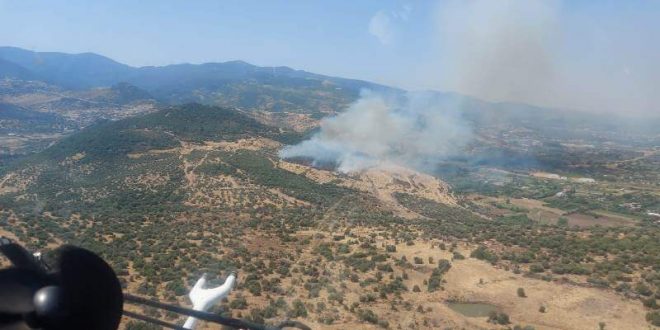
(567, 306)
(298, 122)
(242, 144)
(382, 182)
(586, 220)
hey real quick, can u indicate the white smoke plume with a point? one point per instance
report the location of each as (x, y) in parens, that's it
(413, 130)
(537, 52)
(419, 129)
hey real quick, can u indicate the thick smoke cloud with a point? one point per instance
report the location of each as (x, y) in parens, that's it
(412, 130)
(499, 50)
(596, 57)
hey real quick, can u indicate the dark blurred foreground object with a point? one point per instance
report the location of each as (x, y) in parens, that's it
(79, 292)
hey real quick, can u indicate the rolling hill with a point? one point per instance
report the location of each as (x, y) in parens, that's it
(188, 189)
(176, 144)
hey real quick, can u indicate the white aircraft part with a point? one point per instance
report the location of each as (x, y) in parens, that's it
(203, 299)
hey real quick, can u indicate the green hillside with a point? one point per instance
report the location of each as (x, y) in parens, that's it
(86, 172)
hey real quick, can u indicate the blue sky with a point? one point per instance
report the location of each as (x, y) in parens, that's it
(592, 54)
(329, 37)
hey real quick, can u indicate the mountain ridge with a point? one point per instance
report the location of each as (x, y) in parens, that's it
(234, 83)
(44, 63)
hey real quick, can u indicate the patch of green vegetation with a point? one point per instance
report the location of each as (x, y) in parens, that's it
(435, 281)
(262, 171)
(108, 140)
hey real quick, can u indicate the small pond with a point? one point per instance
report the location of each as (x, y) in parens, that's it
(473, 309)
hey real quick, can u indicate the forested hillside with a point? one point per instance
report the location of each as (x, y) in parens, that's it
(168, 195)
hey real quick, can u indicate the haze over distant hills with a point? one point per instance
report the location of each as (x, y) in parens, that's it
(77, 90)
(238, 84)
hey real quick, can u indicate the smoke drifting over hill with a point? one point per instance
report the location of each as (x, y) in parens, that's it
(514, 50)
(411, 130)
(418, 129)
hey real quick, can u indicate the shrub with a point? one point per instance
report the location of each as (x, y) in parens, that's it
(653, 318)
(519, 327)
(536, 268)
(650, 303)
(435, 280)
(498, 318)
(256, 315)
(254, 287)
(297, 309)
(443, 265)
(643, 289)
(482, 253)
(238, 303)
(368, 315)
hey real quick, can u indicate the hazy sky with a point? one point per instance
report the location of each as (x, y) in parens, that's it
(594, 55)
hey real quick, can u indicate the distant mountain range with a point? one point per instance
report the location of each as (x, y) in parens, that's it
(67, 70)
(88, 70)
(234, 83)
(87, 87)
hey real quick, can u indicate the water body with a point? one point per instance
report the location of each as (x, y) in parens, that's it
(473, 309)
